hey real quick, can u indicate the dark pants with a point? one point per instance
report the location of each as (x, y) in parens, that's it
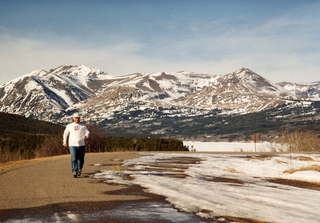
(77, 157)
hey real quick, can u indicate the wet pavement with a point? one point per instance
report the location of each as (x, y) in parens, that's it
(126, 212)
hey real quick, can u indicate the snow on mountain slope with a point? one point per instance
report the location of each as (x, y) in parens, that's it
(141, 91)
(55, 94)
(44, 94)
(302, 91)
(240, 91)
(173, 85)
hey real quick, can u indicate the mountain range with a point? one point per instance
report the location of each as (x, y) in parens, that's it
(156, 104)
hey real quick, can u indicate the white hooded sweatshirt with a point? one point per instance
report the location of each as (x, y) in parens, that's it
(76, 133)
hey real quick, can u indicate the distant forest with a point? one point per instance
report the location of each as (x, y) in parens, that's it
(26, 138)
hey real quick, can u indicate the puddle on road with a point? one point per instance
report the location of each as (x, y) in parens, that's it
(150, 211)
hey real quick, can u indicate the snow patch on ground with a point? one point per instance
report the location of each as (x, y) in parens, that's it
(231, 185)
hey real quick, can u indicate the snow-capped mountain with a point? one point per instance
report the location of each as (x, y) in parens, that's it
(44, 94)
(302, 91)
(103, 98)
(241, 91)
(139, 91)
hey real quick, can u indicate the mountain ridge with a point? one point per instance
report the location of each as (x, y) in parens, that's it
(106, 99)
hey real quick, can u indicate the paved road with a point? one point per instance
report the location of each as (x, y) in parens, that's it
(50, 181)
(45, 191)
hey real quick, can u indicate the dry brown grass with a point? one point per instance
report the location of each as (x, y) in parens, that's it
(244, 220)
(308, 168)
(312, 185)
(281, 162)
(12, 164)
(303, 158)
(257, 158)
(231, 170)
(300, 141)
(117, 168)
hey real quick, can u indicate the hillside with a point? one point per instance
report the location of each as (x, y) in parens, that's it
(24, 138)
(11, 123)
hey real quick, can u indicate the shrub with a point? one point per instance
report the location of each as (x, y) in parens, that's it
(51, 146)
(300, 141)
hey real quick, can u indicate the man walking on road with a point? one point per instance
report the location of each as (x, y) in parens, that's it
(77, 135)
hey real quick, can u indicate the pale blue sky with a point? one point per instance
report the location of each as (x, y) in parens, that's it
(278, 39)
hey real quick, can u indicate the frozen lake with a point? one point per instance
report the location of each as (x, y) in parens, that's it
(234, 146)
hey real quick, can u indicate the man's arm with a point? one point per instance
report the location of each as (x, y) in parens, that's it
(65, 136)
(87, 133)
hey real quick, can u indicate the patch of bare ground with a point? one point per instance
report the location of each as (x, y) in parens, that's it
(135, 190)
(232, 170)
(175, 166)
(308, 168)
(223, 180)
(281, 162)
(259, 157)
(179, 175)
(180, 160)
(244, 220)
(296, 183)
(159, 170)
(165, 166)
(227, 219)
(170, 172)
(303, 158)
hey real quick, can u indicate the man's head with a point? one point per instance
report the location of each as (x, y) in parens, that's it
(76, 118)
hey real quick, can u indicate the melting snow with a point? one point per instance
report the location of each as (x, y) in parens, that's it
(231, 185)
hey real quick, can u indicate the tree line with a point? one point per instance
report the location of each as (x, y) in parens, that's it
(20, 140)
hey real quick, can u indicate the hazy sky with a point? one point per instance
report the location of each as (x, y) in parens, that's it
(279, 39)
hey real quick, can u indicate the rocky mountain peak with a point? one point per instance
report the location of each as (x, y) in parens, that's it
(253, 81)
(246, 74)
(76, 71)
(243, 70)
